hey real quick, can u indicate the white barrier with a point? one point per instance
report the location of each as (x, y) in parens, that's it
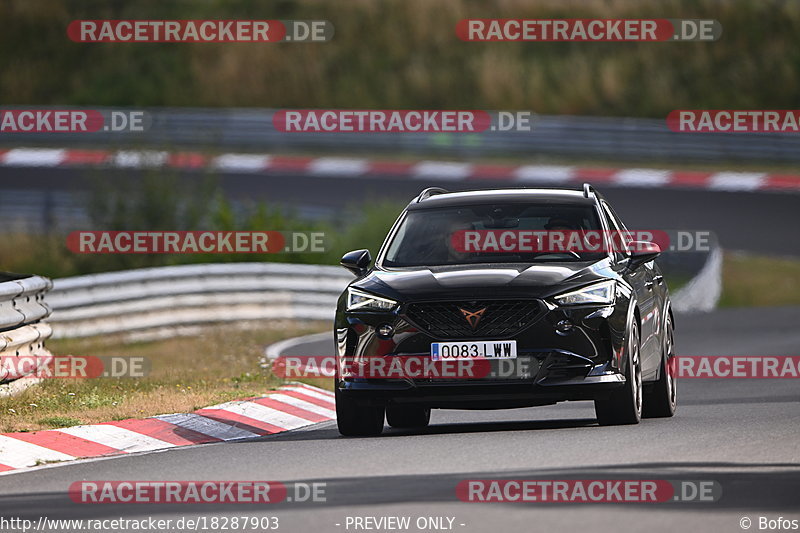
(22, 334)
(190, 295)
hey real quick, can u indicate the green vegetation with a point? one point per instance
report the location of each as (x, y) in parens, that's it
(185, 374)
(405, 54)
(756, 281)
(58, 421)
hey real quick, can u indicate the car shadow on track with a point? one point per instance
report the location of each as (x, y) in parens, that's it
(327, 430)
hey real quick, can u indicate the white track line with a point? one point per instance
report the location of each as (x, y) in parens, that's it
(737, 181)
(336, 166)
(321, 395)
(441, 170)
(19, 454)
(308, 406)
(642, 177)
(241, 162)
(117, 437)
(544, 173)
(140, 158)
(34, 157)
(264, 414)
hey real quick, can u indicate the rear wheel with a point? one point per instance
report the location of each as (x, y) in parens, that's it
(357, 420)
(662, 399)
(624, 406)
(405, 416)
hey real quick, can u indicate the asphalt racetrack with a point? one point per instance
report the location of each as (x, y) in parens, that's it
(743, 434)
(754, 221)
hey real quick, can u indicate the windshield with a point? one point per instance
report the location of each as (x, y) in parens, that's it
(508, 233)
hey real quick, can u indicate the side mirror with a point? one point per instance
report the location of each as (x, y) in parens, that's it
(642, 252)
(356, 261)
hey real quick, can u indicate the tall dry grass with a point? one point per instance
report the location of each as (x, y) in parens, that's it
(403, 54)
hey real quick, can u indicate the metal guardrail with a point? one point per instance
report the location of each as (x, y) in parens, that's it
(22, 332)
(168, 301)
(152, 299)
(569, 136)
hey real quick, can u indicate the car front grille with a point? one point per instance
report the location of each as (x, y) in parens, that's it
(451, 320)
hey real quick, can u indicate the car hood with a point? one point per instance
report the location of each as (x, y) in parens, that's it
(480, 281)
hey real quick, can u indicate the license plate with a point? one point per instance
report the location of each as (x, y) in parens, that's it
(451, 351)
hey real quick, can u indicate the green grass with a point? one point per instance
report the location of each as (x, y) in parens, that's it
(186, 374)
(58, 421)
(759, 281)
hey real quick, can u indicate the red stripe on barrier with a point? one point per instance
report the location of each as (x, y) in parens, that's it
(187, 160)
(240, 421)
(289, 163)
(389, 167)
(492, 172)
(86, 157)
(595, 174)
(291, 409)
(162, 430)
(65, 443)
(6, 468)
(782, 181)
(690, 178)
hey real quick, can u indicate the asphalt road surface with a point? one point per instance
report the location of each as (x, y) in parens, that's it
(751, 221)
(743, 434)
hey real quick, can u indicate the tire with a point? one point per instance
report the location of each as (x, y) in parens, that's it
(403, 416)
(662, 399)
(624, 406)
(356, 420)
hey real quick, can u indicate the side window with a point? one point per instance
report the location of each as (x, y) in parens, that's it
(615, 217)
(617, 227)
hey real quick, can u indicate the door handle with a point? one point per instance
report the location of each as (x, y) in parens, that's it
(648, 285)
(658, 279)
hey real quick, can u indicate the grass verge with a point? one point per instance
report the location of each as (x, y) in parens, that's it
(759, 281)
(186, 374)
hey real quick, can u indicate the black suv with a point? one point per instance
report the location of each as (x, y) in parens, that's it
(457, 282)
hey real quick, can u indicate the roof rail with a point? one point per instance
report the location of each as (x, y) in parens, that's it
(430, 191)
(587, 189)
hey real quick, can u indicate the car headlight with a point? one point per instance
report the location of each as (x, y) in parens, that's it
(599, 293)
(357, 299)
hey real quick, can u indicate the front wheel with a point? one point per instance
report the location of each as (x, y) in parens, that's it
(357, 420)
(662, 399)
(624, 406)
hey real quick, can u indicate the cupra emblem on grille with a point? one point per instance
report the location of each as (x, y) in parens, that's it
(473, 317)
